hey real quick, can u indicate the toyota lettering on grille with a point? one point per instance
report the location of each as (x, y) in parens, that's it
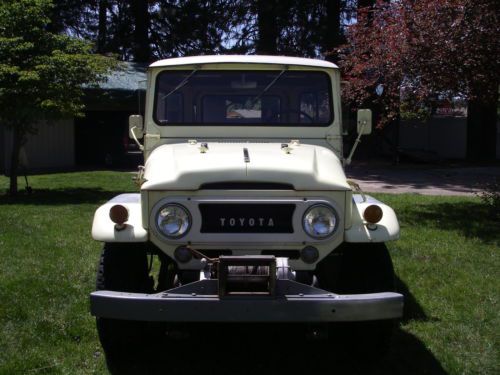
(246, 217)
(249, 222)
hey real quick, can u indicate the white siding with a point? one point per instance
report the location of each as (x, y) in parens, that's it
(52, 147)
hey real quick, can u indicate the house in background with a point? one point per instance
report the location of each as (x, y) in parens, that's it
(100, 138)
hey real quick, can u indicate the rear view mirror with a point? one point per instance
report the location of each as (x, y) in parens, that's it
(135, 126)
(364, 121)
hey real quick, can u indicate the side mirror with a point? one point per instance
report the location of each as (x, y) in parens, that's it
(135, 126)
(364, 121)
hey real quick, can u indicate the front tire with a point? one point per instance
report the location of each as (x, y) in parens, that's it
(123, 267)
(359, 268)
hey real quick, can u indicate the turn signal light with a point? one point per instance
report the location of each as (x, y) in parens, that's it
(118, 215)
(373, 214)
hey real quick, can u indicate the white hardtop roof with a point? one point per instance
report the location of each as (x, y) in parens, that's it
(243, 59)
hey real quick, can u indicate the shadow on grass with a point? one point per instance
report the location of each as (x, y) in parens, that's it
(412, 309)
(473, 220)
(60, 196)
(247, 353)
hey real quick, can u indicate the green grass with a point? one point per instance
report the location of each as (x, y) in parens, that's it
(448, 265)
(47, 270)
(446, 261)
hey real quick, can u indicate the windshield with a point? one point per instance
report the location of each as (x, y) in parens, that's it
(267, 98)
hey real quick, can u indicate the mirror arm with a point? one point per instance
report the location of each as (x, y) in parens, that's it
(358, 140)
(134, 137)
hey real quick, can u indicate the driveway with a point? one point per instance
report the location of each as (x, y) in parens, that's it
(421, 179)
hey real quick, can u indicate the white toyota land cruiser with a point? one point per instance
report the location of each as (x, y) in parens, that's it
(244, 205)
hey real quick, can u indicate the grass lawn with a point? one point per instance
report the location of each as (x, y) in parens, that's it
(447, 263)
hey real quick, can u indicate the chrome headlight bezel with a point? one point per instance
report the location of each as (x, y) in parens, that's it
(185, 227)
(306, 225)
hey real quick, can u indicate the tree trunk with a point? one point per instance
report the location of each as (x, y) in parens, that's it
(141, 47)
(14, 158)
(267, 43)
(482, 126)
(101, 36)
(332, 30)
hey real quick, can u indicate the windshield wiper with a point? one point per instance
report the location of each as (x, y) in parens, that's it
(181, 85)
(266, 89)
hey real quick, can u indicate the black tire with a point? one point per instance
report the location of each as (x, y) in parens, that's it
(122, 267)
(357, 268)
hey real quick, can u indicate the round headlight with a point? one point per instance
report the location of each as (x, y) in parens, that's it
(173, 220)
(320, 221)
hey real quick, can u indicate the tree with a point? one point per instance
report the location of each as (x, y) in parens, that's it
(41, 73)
(102, 27)
(267, 15)
(463, 38)
(141, 47)
(142, 30)
(74, 17)
(332, 29)
(300, 28)
(417, 50)
(370, 58)
(189, 27)
(312, 28)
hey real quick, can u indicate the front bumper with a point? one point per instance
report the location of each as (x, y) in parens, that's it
(200, 302)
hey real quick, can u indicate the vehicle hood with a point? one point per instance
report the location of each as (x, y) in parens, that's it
(188, 166)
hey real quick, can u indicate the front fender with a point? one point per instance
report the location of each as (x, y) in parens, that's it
(103, 229)
(386, 230)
